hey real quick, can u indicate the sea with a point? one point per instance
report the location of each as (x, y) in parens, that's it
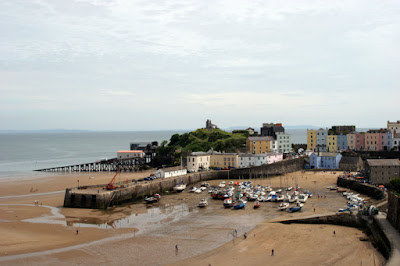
(22, 153)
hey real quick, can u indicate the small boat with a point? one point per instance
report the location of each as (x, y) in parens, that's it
(256, 205)
(240, 204)
(228, 203)
(283, 206)
(280, 198)
(152, 199)
(179, 187)
(296, 207)
(303, 198)
(222, 184)
(203, 203)
(289, 188)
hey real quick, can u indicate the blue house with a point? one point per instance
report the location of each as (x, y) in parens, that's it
(342, 142)
(325, 160)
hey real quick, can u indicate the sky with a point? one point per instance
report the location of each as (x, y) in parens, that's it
(158, 65)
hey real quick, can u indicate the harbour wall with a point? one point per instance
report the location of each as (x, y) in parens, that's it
(363, 188)
(129, 192)
(367, 223)
(393, 214)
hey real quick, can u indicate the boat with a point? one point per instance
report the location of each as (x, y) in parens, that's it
(198, 190)
(240, 204)
(296, 207)
(152, 199)
(179, 187)
(283, 206)
(256, 205)
(222, 184)
(303, 198)
(228, 203)
(280, 198)
(203, 203)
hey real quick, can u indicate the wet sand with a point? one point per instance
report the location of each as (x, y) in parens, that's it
(137, 234)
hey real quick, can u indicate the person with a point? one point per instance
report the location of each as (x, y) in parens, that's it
(245, 235)
(314, 209)
(272, 252)
(176, 247)
(77, 231)
(235, 232)
(334, 233)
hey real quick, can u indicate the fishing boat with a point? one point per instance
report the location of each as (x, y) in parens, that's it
(228, 202)
(179, 187)
(283, 206)
(303, 198)
(222, 184)
(296, 207)
(256, 204)
(152, 199)
(203, 203)
(240, 204)
(280, 198)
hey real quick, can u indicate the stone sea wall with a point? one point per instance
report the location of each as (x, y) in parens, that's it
(363, 188)
(393, 214)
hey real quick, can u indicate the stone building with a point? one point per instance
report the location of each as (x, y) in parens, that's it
(351, 163)
(381, 171)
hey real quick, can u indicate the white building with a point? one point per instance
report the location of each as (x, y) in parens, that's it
(130, 154)
(284, 142)
(198, 160)
(273, 157)
(249, 160)
(171, 172)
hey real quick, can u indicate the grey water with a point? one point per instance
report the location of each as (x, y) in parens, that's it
(21, 153)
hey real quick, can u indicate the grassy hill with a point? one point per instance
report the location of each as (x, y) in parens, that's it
(204, 140)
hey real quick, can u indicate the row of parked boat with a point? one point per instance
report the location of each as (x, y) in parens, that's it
(237, 195)
(354, 202)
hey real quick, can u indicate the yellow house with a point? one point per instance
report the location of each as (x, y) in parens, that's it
(224, 160)
(257, 145)
(311, 139)
(331, 143)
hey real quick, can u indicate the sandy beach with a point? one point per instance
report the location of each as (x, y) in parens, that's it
(141, 235)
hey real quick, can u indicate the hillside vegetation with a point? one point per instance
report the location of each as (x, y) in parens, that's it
(204, 140)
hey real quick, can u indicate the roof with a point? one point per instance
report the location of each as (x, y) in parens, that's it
(264, 138)
(199, 153)
(173, 168)
(383, 162)
(136, 151)
(349, 160)
(327, 154)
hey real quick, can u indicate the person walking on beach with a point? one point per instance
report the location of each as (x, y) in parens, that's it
(176, 247)
(245, 235)
(334, 233)
(77, 231)
(272, 252)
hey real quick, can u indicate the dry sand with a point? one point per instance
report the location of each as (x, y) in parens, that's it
(202, 235)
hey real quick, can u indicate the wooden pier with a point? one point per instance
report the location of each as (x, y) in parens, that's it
(110, 165)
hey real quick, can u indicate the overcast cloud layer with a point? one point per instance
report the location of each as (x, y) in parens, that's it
(153, 65)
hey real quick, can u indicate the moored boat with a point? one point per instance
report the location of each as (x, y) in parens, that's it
(152, 199)
(283, 206)
(203, 203)
(240, 204)
(228, 202)
(256, 204)
(296, 207)
(179, 187)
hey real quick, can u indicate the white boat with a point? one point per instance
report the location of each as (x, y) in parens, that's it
(280, 198)
(228, 203)
(283, 206)
(222, 184)
(198, 190)
(203, 203)
(303, 198)
(179, 187)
